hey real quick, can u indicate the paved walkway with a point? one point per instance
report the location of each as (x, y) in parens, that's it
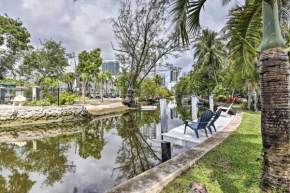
(155, 179)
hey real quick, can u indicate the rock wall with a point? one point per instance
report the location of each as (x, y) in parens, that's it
(21, 115)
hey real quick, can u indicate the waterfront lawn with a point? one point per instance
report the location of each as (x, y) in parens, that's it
(233, 166)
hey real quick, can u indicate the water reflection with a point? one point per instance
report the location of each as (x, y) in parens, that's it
(135, 154)
(93, 155)
(92, 140)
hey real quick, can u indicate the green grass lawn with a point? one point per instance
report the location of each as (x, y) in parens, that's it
(231, 167)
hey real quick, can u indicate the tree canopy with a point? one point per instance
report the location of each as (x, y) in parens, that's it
(142, 41)
(48, 61)
(15, 38)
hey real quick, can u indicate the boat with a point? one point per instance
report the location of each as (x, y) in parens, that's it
(148, 107)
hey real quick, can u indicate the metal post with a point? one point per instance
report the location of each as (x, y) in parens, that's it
(194, 108)
(2, 94)
(166, 151)
(58, 96)
(211, 104)
(163, 115)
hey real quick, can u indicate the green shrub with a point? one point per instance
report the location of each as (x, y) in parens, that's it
(67, 98)
(244, 106)
(41, 102)
(52, 98)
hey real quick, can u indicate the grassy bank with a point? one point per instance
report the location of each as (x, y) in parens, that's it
(233, 166)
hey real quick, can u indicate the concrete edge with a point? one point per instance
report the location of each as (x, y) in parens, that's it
(155, 179)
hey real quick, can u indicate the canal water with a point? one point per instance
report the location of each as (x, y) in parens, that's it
(88, 156)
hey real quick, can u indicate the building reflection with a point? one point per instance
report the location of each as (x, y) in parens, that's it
(150, 131)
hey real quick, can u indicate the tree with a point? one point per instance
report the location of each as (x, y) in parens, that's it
(49, 83)
(88, 67)
(158, 79)
(148, 88)
(15, 38)
(142, 43)
(48, 61)
(68, 78)
(102, 77)
(274, 70)
(209, 51)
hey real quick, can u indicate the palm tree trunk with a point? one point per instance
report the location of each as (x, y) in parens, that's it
(249, 99)
(102, 91)
(71, 87)
(84, 91)
(214, 74)
(275, 102)
(254, 93)
(106, 87)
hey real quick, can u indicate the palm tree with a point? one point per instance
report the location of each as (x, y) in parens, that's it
(252, 83)
(274, 73)
(68, 78)
(158, 80)
(209, 51)
(85, 79)
(102, 77)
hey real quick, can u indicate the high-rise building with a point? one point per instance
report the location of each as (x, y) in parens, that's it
(174, 75)
(111, 65)
(163, 80)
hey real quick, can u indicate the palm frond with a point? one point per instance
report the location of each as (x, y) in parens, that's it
(186, 17)
(285, 12)
(179, 17)
(225, 2)
(244, 31)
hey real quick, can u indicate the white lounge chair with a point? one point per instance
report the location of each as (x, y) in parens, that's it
(227, 109)
(19, 100)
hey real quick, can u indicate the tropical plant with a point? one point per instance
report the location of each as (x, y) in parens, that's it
(41, 102)
(274, 65)
(102, 77)
(148, 89)
(68, 78)
(88, 67)
(209, 51)
(158, 79)
(67, 98)
(49, 83)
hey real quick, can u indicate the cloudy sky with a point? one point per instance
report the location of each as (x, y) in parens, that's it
(84, 24)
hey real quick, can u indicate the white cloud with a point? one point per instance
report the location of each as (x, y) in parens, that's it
(84, 24)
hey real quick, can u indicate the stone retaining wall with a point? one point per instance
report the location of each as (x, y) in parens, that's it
(33, 132)
(21, 115)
